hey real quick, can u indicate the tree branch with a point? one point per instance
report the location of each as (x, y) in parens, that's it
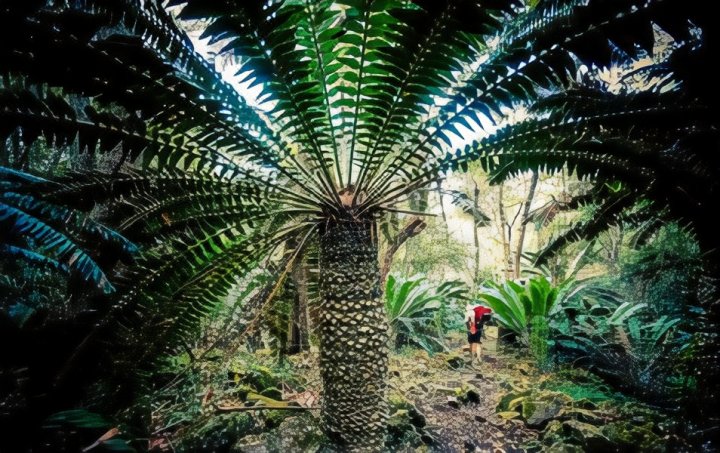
(262, 408)
(413, 228)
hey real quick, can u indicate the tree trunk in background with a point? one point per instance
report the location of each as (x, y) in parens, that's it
(523, 222)
(476, 238)
(353, 337)
(442, 204)
(505, 233)
(418, 200)
(299, 332)
(413, 228)
(617, 246)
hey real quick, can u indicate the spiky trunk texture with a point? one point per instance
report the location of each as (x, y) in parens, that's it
(353, 337)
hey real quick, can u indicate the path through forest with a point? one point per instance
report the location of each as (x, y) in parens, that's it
(459, 401)
(440, 403)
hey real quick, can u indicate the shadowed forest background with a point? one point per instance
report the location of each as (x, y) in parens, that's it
(258, 225)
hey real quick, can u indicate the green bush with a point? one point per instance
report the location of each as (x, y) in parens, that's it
(539, 348)
(218, 433)
(417, 310)
(628, 346)
(514, 306)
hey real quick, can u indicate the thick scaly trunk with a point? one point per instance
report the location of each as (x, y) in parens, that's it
(353, 337)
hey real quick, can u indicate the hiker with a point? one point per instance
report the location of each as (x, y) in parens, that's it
(475, 320)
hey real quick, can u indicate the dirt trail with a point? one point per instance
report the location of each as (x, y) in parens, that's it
(474, 425)
(459, 402)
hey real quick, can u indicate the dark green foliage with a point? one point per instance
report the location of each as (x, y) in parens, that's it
(663, 273)
(635, 144)
(647, 343)
(581, 385)
(539, 337)
(574, 410)
(642, 353)
(46, 234)
(220, 433)
(516, 307)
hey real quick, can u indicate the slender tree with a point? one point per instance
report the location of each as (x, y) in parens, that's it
(360, 103)
(523, 223)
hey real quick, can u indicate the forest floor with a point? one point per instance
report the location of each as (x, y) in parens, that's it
(438, 403)
(441, 403)
(459, 400)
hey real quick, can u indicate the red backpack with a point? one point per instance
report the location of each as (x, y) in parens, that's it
(482, 314)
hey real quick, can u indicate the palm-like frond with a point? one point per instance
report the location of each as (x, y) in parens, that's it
(609, 208)
(514, 72)
(656, 147)
(463, 201)
(413, 303)
(49, 234)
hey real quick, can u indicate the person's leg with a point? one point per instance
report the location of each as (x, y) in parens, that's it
(478, 351)
(474, 347)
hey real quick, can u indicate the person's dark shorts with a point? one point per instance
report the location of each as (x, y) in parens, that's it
(474, 337)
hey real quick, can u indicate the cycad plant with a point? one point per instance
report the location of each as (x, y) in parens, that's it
(626, 344)
(413, 303)
(361, 102)
(516, 307)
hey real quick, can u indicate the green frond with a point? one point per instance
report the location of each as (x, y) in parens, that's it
(417, 69)
(599, 135)
(164, 35)
(147, 205)
(71, 221)
(202, 293)
(610, 211)
(52, 234)
(514, 73)
(499, 79)
(15, 224)
(463, 201)
(195, 275)
(367, 29)
(261, 37)
(122, 73)
(28, 256)
(178, 257)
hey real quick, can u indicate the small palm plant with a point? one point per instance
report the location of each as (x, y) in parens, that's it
(627, 344)
(412, 306)
(361, 103)
(526, 310)
(515, 306)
